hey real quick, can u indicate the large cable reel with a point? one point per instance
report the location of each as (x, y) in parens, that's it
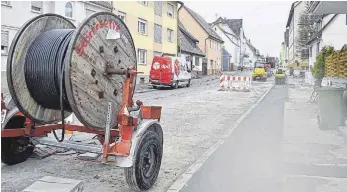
(83, 52)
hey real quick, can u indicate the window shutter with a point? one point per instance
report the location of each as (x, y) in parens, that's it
(157, 33)
(4, 38)
(158, 7)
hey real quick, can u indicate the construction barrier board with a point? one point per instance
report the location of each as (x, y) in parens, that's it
(235, 83)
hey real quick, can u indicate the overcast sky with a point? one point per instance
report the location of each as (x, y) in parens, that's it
(264, 22)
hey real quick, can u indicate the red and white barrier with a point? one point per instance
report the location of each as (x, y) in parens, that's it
(235, 83)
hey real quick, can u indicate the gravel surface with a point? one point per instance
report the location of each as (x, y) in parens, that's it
(193, 119)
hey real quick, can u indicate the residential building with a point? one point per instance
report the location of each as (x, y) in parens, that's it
(227, 64)
(328, 7)
(15, 13)
(231, 42)
(190, 51)
(252, 55)
(154, 28)
(286, 48)
(210, 42)
(293, 30)
(237, 26)
(329, 31)
(232, 33)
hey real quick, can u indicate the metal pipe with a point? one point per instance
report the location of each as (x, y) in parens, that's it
(114, 71)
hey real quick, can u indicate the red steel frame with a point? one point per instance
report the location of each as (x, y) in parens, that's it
(124, 119)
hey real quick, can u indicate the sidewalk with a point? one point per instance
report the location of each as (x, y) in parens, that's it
(314, 160)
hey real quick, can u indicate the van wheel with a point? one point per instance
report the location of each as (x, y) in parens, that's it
(188, 85)
(176, 85)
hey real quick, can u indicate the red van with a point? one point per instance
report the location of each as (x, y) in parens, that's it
(169, 71)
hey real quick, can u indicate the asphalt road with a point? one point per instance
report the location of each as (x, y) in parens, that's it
(250, 159)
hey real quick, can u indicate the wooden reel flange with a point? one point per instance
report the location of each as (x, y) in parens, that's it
(101, 40)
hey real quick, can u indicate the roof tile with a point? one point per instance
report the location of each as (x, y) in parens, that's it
(203, 24)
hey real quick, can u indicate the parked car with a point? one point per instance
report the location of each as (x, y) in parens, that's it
(169, 71)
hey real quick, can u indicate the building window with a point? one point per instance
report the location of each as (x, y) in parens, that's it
(156, 53)
(158, 8)
(36, 6)
(346, 17)
(317, 49)
(157, 33)
(68, 9)
(142, 56)
(8, 3)
(142, 26)
(121, 15)
(170, 35)
(197, 61)
(144, 3)
(4, 42)
(170, 10)
(89, 12)
(310, 52)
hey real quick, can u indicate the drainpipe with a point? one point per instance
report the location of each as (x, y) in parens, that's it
(206, 47)
(206, 55)
(178, 14)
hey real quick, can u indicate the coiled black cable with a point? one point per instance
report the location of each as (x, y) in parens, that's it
(44, 71)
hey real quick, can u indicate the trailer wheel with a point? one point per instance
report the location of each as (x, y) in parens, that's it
(15, 150)
(144, 172)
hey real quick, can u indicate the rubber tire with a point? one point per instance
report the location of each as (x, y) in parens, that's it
(154, 86)
(134, 175)
(188, 85)
(176, 85)
(8, 156)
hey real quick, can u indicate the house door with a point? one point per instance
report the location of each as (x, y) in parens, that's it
(204, 67)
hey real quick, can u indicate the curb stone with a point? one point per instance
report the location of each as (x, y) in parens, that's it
(181, 181)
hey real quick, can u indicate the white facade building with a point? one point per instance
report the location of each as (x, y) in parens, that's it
(331, 31)
(252, 54)
(292, 26)
(15, 13)
(232, 32)
(231, 42)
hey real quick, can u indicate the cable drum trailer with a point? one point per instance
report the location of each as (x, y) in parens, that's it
(55, 69)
